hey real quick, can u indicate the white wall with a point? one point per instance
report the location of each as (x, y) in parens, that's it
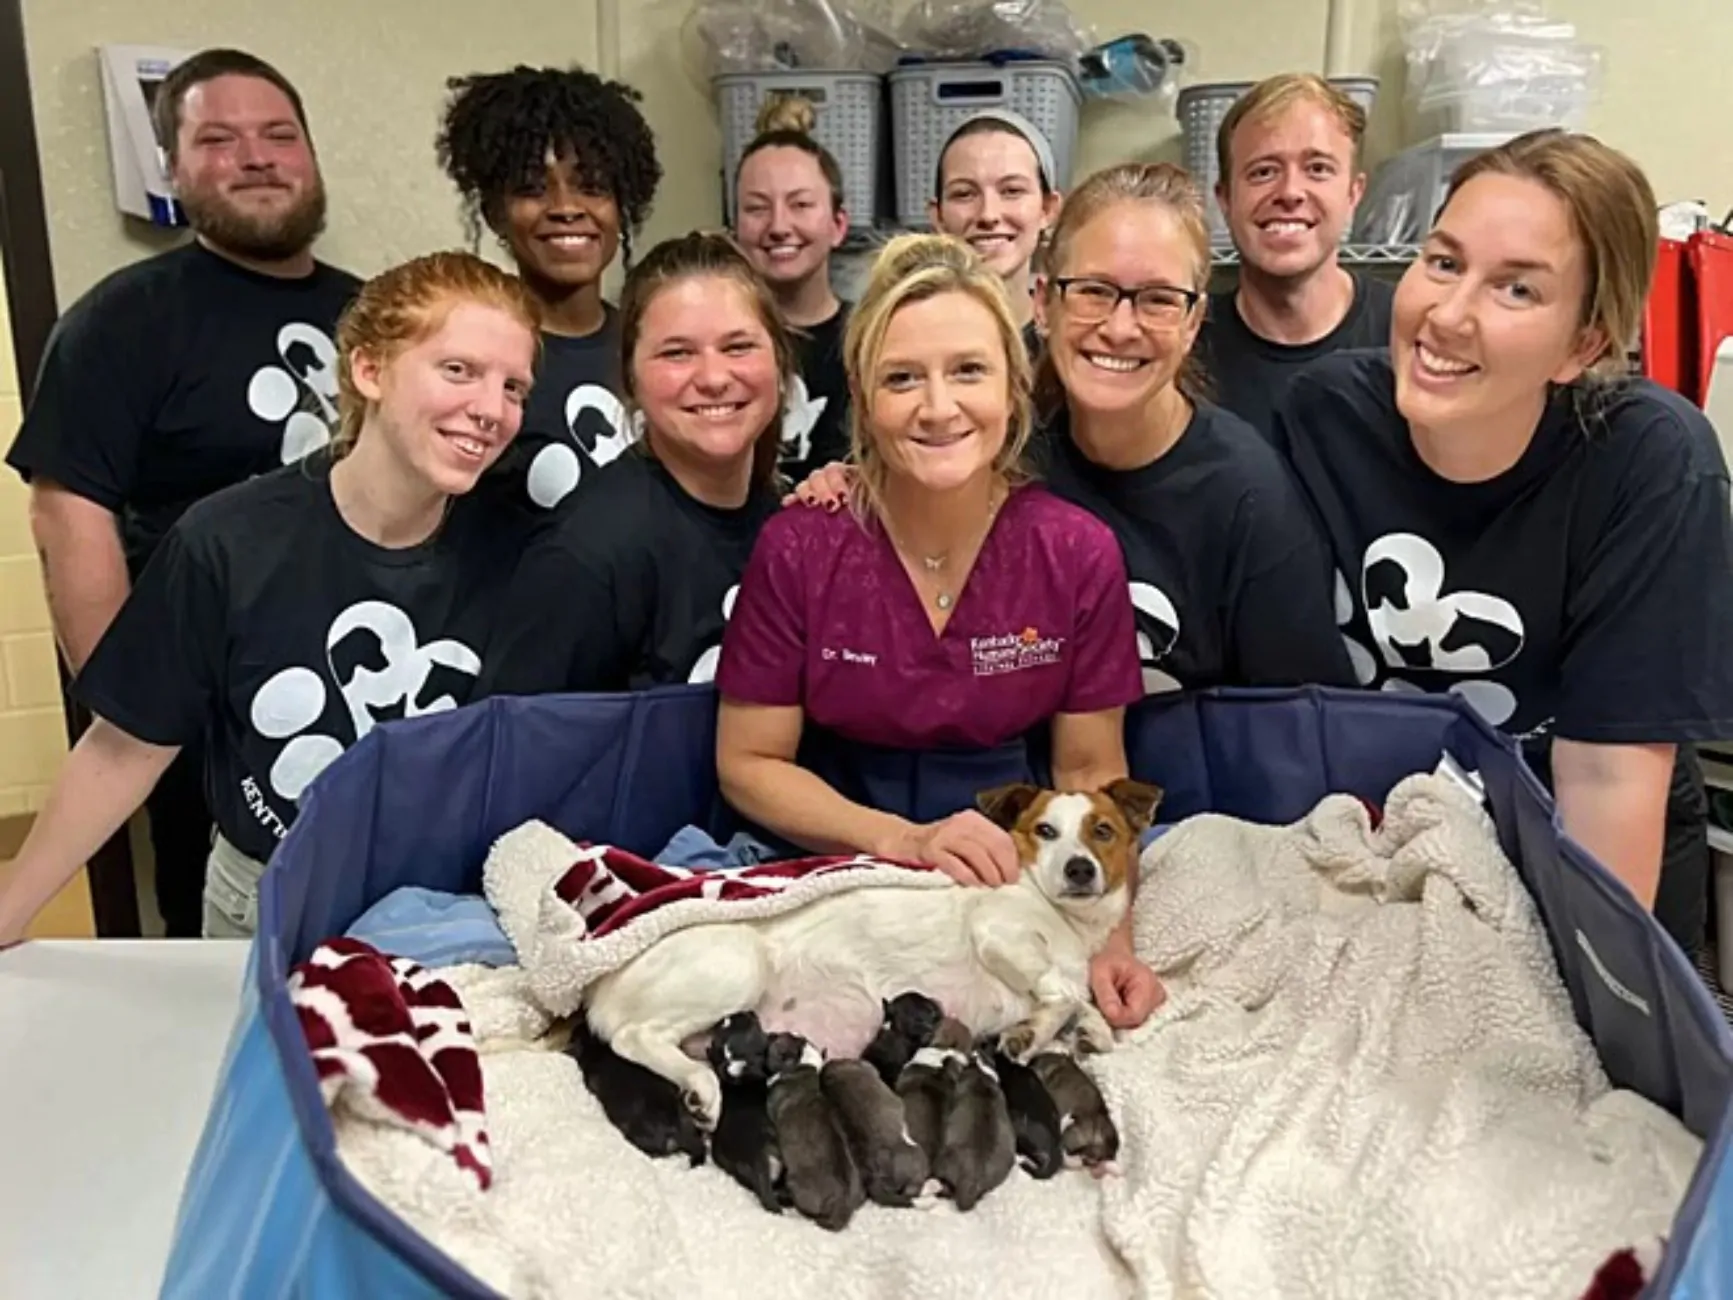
(373, 79)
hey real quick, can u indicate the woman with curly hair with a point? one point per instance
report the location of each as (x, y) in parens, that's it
(561, 166)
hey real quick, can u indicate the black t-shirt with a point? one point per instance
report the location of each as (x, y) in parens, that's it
(1586, 592)
(1229, 577)
(265, 625)
(574, 422)
(1032, 342)
(815, 417)
(1248, 374)
(631, 588)
(178, 376)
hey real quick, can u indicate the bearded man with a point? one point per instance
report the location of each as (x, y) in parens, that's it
(182, 374)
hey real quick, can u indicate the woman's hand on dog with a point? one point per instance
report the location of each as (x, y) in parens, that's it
(1126, 991)
(826, 486)
(965, 846)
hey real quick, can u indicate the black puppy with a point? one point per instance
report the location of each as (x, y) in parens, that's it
(744, 1143)
(1088, 1135)
(910, 1021)
(892, 1165)
(979, 1147)
(1034, 1117)
(643, 1105)
(822, 1178)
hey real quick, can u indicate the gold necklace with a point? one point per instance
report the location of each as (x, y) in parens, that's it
(935, 564)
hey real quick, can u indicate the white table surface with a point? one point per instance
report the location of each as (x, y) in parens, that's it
(109, 1051)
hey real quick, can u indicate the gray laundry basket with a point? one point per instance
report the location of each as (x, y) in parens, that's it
(848, 111)
(931, 100)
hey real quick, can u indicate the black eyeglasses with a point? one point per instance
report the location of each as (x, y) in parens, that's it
(1092, 300)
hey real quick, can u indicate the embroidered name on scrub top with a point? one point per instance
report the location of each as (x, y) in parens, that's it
(828, 619)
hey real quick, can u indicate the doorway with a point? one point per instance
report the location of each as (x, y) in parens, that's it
(31, 308)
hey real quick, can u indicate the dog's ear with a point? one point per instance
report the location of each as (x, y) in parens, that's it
(1138, 800)
(1004, 804)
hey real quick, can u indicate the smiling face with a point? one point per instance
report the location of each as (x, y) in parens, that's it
(1129, 357)
(990, 197)
(244, 169)
(938, 410)
(786, 222)
(563, 231)
(1291, 190)
(448, 405)
(1492, 312)
(704, 371)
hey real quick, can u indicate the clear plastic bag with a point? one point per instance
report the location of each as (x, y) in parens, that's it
(1497, 65)
(973, 29)
(723, 36)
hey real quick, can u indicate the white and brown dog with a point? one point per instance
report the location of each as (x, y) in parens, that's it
(1012, 961)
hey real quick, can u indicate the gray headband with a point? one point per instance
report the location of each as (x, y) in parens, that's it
(1017, 124)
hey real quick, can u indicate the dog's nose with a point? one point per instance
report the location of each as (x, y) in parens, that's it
(1079, 873)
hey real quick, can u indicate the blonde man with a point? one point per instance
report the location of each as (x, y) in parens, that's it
(1288, 152)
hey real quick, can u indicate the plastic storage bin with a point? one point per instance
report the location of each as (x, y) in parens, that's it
(1202, 107)
(848, 108)
(268, 1209)
(930, 100)
(1405, 193)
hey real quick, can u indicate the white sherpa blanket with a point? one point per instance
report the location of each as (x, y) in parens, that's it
(1367, 1082)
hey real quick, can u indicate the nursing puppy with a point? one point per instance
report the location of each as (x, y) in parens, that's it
(1035, 1118)
(1087, 1131)
(744, 1144)
(643, 1105)
(978, 1147)
(924, 1085)
(910, 1021)
(822, 1178)
(893, 1167)
(1016, 956)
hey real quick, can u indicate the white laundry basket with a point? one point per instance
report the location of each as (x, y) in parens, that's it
(848, 113)
(1202, 107)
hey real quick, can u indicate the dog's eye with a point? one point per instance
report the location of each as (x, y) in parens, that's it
(1103, 831)
(1046, 831)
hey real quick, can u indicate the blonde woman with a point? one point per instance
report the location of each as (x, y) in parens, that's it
(1519, 523)
(954, 608)
(282, 618)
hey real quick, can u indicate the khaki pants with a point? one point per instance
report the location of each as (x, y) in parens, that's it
(231, 892)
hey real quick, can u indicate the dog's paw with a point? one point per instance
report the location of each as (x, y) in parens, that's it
(703, 1100)
(1018, 1043)
(1094, 1034)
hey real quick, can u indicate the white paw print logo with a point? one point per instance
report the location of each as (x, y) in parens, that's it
(1418, 623)
(800, 416)
(705, 669)
(1157, 634)
(387, 678)
(557, 467)
(301, 391)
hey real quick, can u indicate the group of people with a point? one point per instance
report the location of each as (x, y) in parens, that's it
(1034, 474)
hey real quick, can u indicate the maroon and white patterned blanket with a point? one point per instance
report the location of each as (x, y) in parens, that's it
(392, 1043)
(574, 913)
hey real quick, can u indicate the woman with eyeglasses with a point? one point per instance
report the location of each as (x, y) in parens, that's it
(1229, 576)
